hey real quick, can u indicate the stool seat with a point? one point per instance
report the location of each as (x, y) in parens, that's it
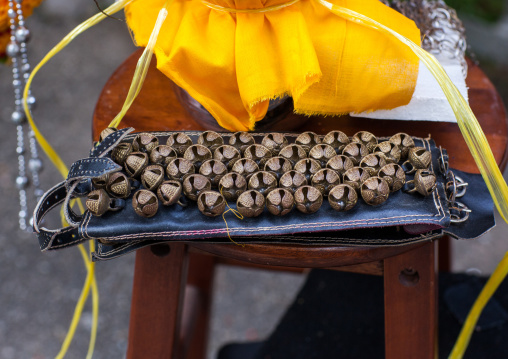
(158, 329)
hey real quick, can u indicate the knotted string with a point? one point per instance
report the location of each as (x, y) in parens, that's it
(236, 213)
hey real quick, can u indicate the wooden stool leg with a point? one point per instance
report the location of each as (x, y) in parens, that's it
(410, 284)
(200, 279)
(160, 277)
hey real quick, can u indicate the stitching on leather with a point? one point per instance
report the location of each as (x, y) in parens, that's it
(339, 224)
(109, 141)
(121, 248)
(437, 201)
(104, 161)
(84, 225)
(384, 221)
(224, 230)
(68, 244)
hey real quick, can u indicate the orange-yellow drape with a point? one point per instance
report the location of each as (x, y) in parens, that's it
(233, 63)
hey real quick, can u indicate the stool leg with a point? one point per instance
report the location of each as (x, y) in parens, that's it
(201, 273)
(159, 285)
(410, 285)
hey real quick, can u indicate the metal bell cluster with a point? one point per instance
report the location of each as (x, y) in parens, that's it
(273, 174)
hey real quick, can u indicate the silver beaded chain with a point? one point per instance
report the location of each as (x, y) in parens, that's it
(16, 50)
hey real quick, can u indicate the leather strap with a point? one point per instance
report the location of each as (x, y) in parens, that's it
(83, 171)
(54, 239)
(110, 142)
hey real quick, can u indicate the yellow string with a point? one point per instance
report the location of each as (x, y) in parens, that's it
(142, 67)
(236, 213)
(90, 281)
(490, 287)
(249, 11)
(479, 147)
(468, 124)
(46, 147)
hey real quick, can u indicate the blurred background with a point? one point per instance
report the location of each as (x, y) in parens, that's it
(38, 291)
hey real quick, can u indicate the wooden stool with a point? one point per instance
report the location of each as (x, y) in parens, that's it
(164, 312)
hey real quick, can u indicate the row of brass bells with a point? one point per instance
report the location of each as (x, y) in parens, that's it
(418, 158)
(98, 202)
(278, 166)
(116, 184)
(146, 203)
(424, 182)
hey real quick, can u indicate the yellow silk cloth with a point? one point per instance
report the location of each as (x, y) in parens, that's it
(234, 63)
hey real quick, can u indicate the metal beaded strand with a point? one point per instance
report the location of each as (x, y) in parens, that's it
(16, 49)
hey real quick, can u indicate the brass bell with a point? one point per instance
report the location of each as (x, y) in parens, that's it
(342, 197)
(106, 132)
(322, 153)
(179, 168)
(391, 151)
(246, 167)
(211, 203)
(324, 180)
(337, 139)
(424, 182)
(144, 142)
(241, 140)
(179, 142)
(169, 192)
(280, 201)
(307, 140)
(135, 163)
(194, 184)
(292, 180)
(213, 170)
(145, 203)
(340, 164)
(274, 142)
(355, 151)
(308, 199)
(263, 182)
(119, 185)
(418, 158)
(365, 138)
(211, 140)
(278, 166)
(373, 163)
(232, 185)
(98, 202)
(293, 152)
(152, 177)
(120, 152)
(162, 155)
(394, 175)
(258, 153)
(355, 177)
(197, 154)
(250, 203)
(227, 154)
(100, 182)
(374, 191)
(404, 141)
(308, 167)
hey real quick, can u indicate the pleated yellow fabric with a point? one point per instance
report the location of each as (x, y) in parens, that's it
(234, 63)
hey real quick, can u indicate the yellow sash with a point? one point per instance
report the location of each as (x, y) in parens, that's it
(233, 63)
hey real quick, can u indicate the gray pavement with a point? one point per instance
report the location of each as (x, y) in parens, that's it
(38, 291)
